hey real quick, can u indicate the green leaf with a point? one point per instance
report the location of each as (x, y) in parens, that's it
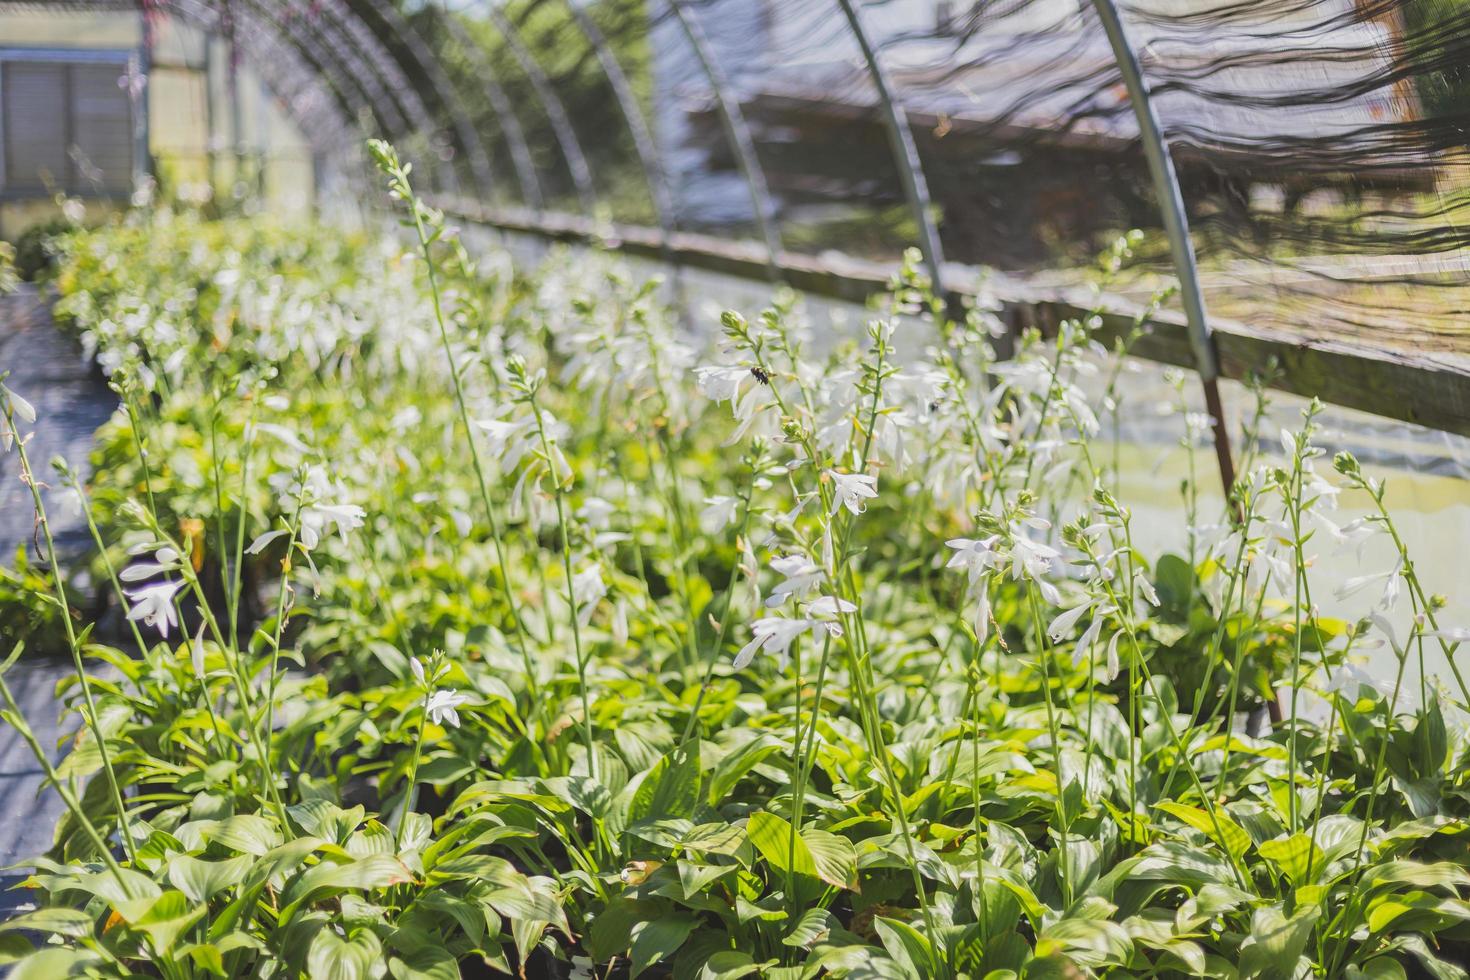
(325, 880)
(1292, 856)
(164, 918)
(59, 921)
(1276, 941)
(728, 965)
(733, 767)
(834, 857)
(906, 945)
(782, 850)
(334, 957)
(669, 789)
(814, 926)
(657, 940)
(202, 880)
(1218, 827)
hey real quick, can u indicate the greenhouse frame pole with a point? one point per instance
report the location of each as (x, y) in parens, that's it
(556, 112)
(481, 172)
(737, 130)
(1176, 227)
(643, 143)
(905, 151)
(510, 125)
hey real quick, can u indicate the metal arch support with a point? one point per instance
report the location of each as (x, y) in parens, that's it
(905, 150)
(349, 88)
(643, 142)
(336, 58)
(556, 112)
(510, 125)
(737, 130)
(358, 41)
(288, 77)
(464, 127)
(1176, 227)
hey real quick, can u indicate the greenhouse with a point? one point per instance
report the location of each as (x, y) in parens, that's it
(965, 489)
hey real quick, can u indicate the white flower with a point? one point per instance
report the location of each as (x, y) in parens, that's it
(509, 440)
(153, 604)
(23, 409)
(417, 666)
(1112, 656)
(975, 556)
(596, 513)
(1061, 627)
(718, 514)
(851, 489)
(440, 708)
(775, 634)
(319, 513)
(588, 589)
(196, 653)
(1391, 581)
(801, 576)
(721, 384)
(260, 543)
(1453, 634)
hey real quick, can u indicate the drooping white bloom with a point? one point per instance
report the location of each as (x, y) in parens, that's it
(196, 653)
(153, 604)
(23, 409)
(1061, 626)
(320, 512)
(509, 440)
(720, 383)
(1032, 560)
(975, 556)
(850, 490)
(775, 634)
(440, 708)
(1391, 580)
(262, 541)
(719, 513)
(588, 589)
(801, 576)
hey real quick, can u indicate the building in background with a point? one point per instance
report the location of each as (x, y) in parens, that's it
(96, 106)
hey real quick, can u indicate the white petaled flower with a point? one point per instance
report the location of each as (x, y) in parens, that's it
(1032, 559)
(441, 705)
(165, 559)
(509, 441)
(1061, 626)
(1390, 579)
(718, 514)
(196, 653)
(851, 490)
(588, 589)
(775, 634)
(320, 513)
(154, 605)
(975, 556)
(261, 541)
(802, 575)
(22, 410)
(719, 383)
(417, 666)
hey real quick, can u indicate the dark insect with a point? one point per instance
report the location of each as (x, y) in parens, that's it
(761, 375)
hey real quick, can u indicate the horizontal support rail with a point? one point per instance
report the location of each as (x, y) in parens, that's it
(1428, 389)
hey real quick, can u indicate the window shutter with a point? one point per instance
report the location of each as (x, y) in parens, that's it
(102, 129)
(35, 126)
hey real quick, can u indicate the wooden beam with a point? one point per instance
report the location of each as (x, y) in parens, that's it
(1431, 390)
